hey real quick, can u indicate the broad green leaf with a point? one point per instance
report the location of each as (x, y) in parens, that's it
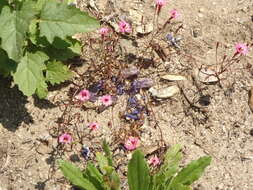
(29, 73)
(59, 43)
(138, 172)
(14, 26)
(61, 54)
(40, 4)
(60, 20)
(108, 153)
(75, 176)
(102, 161)
(94, 176)
(6, 65)
(57, 72)
(191, 172)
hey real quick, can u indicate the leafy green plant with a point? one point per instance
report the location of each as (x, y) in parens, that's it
(169, 177)
(35, 38)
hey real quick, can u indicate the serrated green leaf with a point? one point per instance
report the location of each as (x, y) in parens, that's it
(6, 65)
(57, 72)
(75, 176)
(60, 20)
(29, 73)
(138, 172)
(14, 26)
(191, 172)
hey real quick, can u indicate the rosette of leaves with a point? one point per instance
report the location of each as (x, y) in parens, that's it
(169, 177)
(35, 40)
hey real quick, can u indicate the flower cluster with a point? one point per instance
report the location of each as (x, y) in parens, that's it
(85, 95)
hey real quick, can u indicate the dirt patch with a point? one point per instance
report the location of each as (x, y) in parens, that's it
(222, 128)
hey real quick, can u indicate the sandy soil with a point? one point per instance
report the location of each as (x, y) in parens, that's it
(28, 149)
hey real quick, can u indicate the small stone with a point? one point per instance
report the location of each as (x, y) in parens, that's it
(207, 75)
(200, 15)
(164, 92)
(201, 10)
(43, 149)
(173, 77)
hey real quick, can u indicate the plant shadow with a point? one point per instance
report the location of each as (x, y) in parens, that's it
(12, 106)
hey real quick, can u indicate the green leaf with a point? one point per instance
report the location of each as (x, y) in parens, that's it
(191, 172)
(6, 65)
(61, 54)
(108, 153)
(94, 176)
(33, 31)
(57, 72)
(41, 90)
(181, 187)
(111, 178)
(75, 176)
(60, 20)
(14, 26)
(29, 73)
(138, 172)
(102, 161)
(169, 168)
(93, 171)
(2, 4)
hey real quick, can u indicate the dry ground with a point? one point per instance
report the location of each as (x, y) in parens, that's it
(224, 132)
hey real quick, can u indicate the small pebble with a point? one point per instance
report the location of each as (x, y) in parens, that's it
(200, 15)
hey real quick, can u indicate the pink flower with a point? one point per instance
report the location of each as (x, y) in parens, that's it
(106, 100)
(241, 48)
(174, 13)
(93, 126)
(83, 95)
(103, 31)
(131, 143)
(160, 3)
(154, 160)
(124, 27)
(65, 138)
